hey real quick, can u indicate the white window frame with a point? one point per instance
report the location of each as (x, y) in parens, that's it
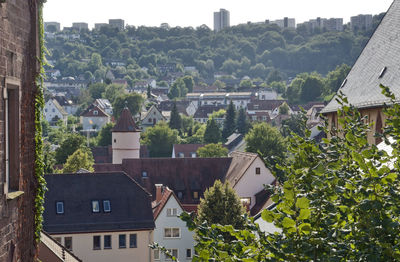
(172, 212)
(171, 230)
(94, 209)
(171, 251)
(60, 204)
(108, 210)
(156, 257)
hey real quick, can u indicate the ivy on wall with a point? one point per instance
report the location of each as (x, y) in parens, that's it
(39, 105)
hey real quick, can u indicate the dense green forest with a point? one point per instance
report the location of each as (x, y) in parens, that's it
(253, 50)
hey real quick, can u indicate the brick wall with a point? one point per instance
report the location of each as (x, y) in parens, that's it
(18, 52)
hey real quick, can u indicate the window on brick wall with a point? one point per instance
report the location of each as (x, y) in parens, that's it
(11, 98)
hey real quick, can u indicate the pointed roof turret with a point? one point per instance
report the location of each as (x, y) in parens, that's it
(125, 122)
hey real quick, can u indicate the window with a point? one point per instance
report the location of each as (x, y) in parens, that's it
(156, 254)
(254, 118)
(133, 241)
(195, 194)
(106, 206)
(45, 110)
(149, 120)
(193, 155)
(68, 243)
(144, 174)
(115, 140)
(95, 112)
(59, 207)
(180, 154)
(189, 253)
(107, 242)
(96, 242)
(246, 201)
(11, 134)
(122, 241)
(53, 110)
(95, 206)
(172, 232)
(172, 212)
(173, 252)
(258, 170)
(180, 194)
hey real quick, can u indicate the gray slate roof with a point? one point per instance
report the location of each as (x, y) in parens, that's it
(130, 203)
(383, 50)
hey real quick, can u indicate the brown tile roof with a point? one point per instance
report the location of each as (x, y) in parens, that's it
(125, 122)
(186, 149)
(180, 106)
(102, 154)
(166, 195)
(241, 161)
(90, 112)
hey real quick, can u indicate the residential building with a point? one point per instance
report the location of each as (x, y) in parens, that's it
(67, 104)
(221, 19)
(100, 217)
(19, 50)
(239, 99)
(105, 105)
(376, 65)
(267, 106)
(285, 22)
(165, 26)
(185, 150)
(125, 138)
(52, 251)
(331, 24)
(361, 22)
(117, 23)
(94, 118)
(151, 117)
(97, 26)
(185, 107)
(53, 112)
(80, 26)
(50, 26)
(267, 94)
(171, 232)
(203, 113)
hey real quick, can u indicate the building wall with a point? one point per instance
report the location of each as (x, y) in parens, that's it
(82, 247)
(372, 114)
(94, 122)
(125, 145)
(51, 111)
(185, 241)
(250, 184)
(18, 53)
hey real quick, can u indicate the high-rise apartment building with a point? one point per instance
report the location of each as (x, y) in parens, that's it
(285, 22)
(80, 26)
(361, 22)
(52, 26)
(221, 19)
(118, 23)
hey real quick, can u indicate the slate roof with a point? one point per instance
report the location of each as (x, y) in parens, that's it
(89, 112)
(241, 161)
(130, 203)
(125, 122)
(59, 107)
(186, 149)
(265, 104)
(180, 106)
(380, 55)
(204, 111)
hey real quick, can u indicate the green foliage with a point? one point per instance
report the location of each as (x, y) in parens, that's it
(221, 205)
(178, 89)
(279, 87)
(267, 141)
(160, 139)
(312, 88)
(335, 78)
(112, 91)
(242, 123)
(189, 83)
(133, 101)
(284, 109)
(246, 84)
(48, 159)
(230, 121)
(105, 135)
(96, 90)
(67, 147)
(212, 150)
(218, 114)
(81, 158)
(296, 124)
(212, 133)
(175, 121)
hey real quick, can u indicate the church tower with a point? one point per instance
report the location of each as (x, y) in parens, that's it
(125, 138)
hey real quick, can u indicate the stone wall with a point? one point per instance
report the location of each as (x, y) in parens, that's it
(18, 63)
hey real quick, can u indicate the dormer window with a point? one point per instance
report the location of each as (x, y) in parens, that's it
(180, 194)
(193, 155)
(195, 194)
(95, 206)
(106, 206)
(180, 154)
(144, 174)
(59, 207)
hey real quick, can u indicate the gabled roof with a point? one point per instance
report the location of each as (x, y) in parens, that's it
(130, 203)
(265, 104)
(180, 106)
(377, 64)
(241, 161)
(91, 112)
(186, 149)
(204, 111)
(59, 107)
(159, 206)
(125, 122)
(151, 109)
(103, 103)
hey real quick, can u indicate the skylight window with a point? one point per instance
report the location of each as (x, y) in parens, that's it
(343, 83)
(383, 71)
(95, 206)
(60, 207)
(106, 206)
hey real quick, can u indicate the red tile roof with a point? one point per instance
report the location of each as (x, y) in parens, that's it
(125, 122)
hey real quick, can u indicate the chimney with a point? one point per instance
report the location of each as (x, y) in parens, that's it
(159, 192)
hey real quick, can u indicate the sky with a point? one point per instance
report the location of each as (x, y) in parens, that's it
(195, 13)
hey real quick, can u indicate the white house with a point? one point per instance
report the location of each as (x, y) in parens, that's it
(53, 111)
(170, 232)
(105, 105)
(94, 118)
(239, 99)
(151, 117)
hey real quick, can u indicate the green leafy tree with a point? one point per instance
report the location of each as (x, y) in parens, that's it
(312, 88)
(230, 121)
(335, 78)
(112, 91)
(245, 84)
(284, 109)
(175, 121)
(279, 87)
(242, 122)
(212, 150)
(105, 135)
(160, 140)
(133, 101)
(80, 159)
(212, 133)
(221, 205)
(148, 92)
(296, 124)
(95, 62)
(189, 83)
(48, 159)
(267, 141)
(96, 90)
(174, 91)
(71, 143)
(219, 84)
